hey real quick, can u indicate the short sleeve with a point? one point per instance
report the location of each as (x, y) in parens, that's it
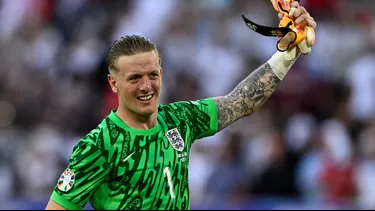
(85, 172)
(200, 115)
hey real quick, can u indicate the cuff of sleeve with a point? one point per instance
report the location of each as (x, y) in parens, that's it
(213, 122)
(215, 119)
(64, 202)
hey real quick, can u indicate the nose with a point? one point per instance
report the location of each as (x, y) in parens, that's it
(145, 85)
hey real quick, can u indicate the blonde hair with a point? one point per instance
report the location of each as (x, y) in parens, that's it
(128, 46)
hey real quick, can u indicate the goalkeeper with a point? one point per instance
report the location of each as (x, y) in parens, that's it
(137, 157)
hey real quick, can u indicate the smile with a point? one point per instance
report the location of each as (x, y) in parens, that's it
(145, 98)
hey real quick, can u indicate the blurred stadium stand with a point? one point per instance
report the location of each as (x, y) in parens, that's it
(312, 145)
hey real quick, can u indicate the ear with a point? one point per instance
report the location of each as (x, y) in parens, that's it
(161, 77)
(112, 82)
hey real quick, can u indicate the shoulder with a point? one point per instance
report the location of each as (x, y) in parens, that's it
(176, 110)
(188, 111)
(98, 136)
(185, 106)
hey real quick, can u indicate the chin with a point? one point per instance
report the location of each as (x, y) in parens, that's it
(147, 109)
(147, 112)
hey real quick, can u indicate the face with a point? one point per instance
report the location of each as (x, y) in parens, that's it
(138, 83)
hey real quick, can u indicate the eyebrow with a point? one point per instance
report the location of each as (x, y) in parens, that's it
(142, 73)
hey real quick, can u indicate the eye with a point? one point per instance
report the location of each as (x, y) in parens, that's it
(134, 78)
(154, 75)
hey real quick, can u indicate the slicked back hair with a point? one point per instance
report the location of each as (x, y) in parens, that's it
(128, 46)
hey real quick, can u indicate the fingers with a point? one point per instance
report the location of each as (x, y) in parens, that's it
(302, 17)
(294, 4)
(311, 22)
(299, 11)
(305, 20)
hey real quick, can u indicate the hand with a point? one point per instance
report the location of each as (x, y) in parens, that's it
(300, 16)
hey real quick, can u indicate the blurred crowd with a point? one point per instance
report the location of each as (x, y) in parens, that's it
(313, 140)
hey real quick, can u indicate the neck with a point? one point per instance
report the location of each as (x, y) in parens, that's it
(137, 121)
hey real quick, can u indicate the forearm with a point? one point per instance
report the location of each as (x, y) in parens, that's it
(252, 92)
(249, 95)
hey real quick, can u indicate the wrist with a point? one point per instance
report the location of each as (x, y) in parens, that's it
(281, 62)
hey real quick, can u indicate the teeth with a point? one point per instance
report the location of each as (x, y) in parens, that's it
(146, 97)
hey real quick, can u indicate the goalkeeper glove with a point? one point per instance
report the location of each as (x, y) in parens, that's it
(289, 35)
(303, 38)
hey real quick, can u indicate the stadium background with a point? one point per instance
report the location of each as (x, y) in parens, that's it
(311, 146)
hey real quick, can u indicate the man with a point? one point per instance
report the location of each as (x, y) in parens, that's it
(137, 157)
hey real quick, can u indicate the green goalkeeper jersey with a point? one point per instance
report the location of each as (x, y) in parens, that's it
(116, 167)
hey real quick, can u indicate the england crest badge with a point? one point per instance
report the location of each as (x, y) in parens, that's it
(175, 139)
(66, 180)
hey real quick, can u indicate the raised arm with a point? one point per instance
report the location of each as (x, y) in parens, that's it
(248, 96)
(251, 93)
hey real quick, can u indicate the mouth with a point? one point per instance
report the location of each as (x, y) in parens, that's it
(145, 98)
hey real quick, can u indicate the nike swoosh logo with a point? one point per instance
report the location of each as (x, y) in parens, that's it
(125, 159)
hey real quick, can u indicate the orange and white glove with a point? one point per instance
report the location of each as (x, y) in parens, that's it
(301, 34)
(295, 34)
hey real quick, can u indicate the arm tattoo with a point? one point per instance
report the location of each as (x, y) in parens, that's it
(248, 96)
